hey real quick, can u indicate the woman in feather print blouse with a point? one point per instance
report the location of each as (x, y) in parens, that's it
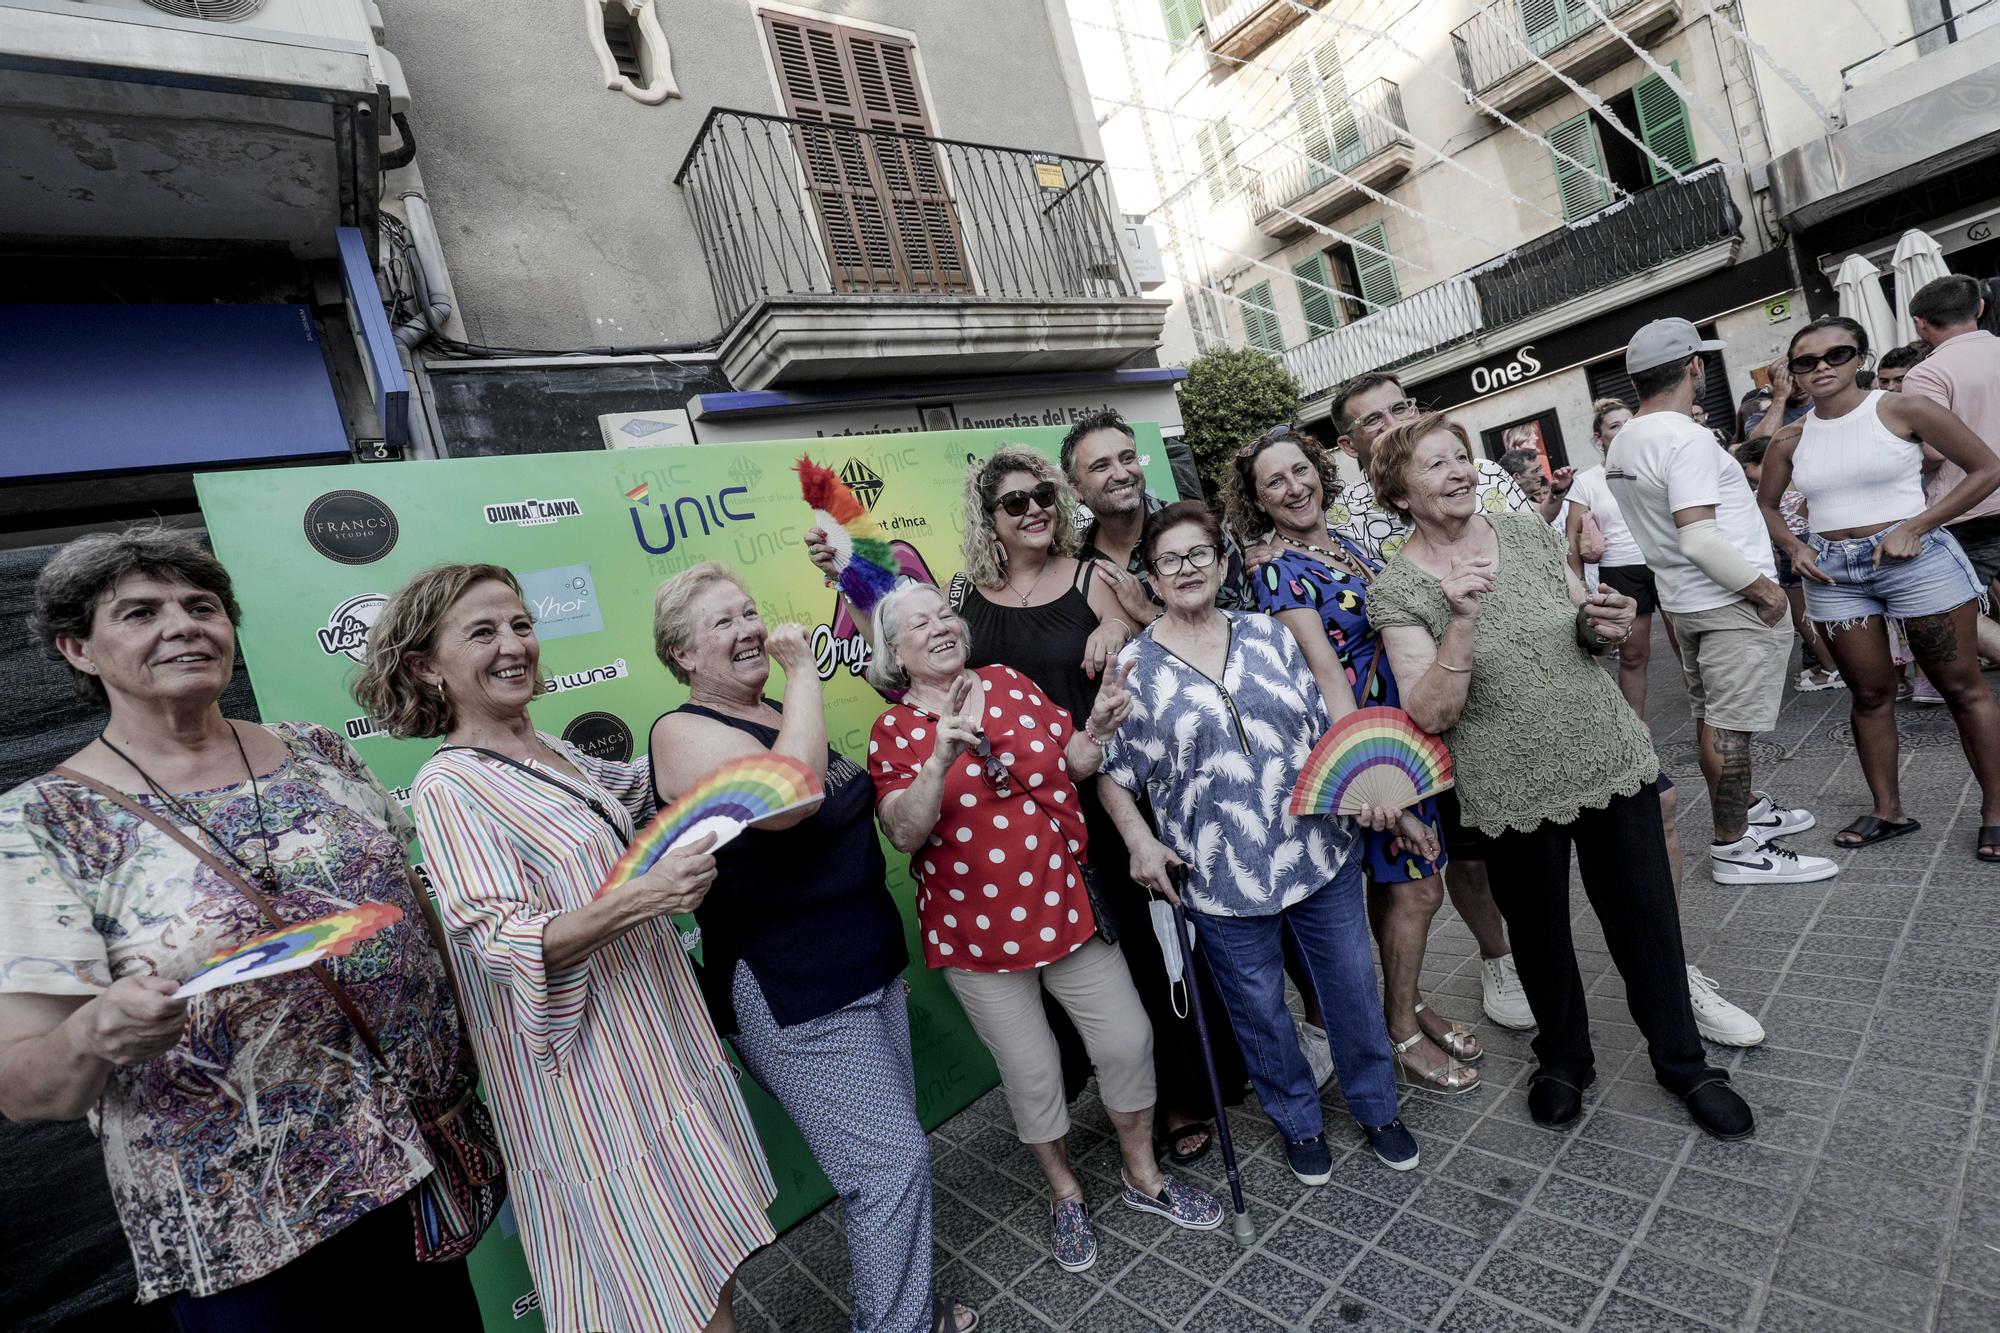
(1224, 713)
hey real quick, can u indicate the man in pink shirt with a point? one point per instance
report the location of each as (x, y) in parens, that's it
(1962, 373)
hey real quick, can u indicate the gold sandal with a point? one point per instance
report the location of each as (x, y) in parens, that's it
(1451, 1078)
(1459, 1042)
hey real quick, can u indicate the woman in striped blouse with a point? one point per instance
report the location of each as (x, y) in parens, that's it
(637, 1178)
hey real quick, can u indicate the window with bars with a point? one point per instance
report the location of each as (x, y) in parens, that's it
(1216, 143)
(1260, 318)
(1593, 159)
(885, 210)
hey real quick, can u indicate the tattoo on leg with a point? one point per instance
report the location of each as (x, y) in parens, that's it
(1732, 791)
(1932, 638)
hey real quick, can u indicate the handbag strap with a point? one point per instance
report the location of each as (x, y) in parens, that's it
(1374, 666)
(596, 806)
(234, 877)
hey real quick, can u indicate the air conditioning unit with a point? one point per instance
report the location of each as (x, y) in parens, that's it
(656, 429)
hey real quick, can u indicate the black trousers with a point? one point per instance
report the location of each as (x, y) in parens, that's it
(1621, 851)
(314, 1293)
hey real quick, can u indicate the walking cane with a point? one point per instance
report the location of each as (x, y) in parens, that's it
(1240, 1226)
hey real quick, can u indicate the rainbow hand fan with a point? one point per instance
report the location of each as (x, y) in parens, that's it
(725, 801)
(863, 564)
(1373, 756)
(292, 947)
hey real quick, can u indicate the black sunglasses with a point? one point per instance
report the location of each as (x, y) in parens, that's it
(1834, 356)
(1016, 502)
(991, 770)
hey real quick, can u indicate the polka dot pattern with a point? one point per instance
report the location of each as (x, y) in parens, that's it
(1005, 853)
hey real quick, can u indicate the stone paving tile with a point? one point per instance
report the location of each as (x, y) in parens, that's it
(1868, 1202)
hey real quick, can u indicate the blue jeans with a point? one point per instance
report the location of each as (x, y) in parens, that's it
(1937, 579)
(1330, 935)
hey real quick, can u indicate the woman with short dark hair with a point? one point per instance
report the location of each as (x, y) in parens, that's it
(1224, 712)
(254, 1142)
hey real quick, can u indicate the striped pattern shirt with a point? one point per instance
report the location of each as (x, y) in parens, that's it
(637, 1177)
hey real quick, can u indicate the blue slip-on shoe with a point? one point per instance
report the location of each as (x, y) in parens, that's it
(1395, 1147)
(1183, 1205)
(1311, 1160)
(1070, 1236)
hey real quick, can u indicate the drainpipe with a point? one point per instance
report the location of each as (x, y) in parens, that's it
(435, 299)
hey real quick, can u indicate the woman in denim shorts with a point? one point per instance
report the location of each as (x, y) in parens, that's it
(1877, 550)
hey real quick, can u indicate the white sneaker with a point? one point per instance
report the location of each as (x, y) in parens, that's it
(1717, 1019)
(1770, 820)
(1502, 997)
(1313, 1045)
(1923, 692)
(1751, 860)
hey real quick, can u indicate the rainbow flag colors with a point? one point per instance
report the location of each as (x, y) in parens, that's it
(728, 799)
(1371, 757)
(864, 565)
(292, 947)
(638, 494)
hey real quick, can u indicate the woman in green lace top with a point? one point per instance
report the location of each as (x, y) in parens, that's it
(1493, 639)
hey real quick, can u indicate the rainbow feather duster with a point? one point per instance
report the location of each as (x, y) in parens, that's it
(725, 801)
(1373, 756)
(292, 947)
(864, 565)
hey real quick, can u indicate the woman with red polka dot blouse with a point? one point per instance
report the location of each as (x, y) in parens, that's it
(975, 776)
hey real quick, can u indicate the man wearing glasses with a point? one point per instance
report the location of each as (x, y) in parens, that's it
(1367, 408)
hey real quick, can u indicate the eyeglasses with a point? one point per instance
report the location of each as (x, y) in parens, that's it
(1196, 557)
(1396, 411)
(1016, 502)
(991, 771)
(1833, 356)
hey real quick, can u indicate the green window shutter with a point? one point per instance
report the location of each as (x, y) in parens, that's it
(1374, 269)
(1217, 147)
(1341, 126)
(1583, 190)
(1544, 24)
(1663, 124)
(1260, 318)
(1225, 146)
(1204, 142)
(1311, 117)
(1183, 20)
(1316, 301)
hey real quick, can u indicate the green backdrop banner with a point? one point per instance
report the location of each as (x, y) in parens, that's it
(316, 551)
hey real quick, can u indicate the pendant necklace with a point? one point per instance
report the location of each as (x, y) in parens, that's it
(266, 877)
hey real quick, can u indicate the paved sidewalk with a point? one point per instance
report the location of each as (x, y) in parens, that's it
(1868, 1200)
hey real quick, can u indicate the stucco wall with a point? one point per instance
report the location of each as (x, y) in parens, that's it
(555, 197)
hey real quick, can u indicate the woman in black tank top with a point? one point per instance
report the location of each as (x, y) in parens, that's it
(802, 945)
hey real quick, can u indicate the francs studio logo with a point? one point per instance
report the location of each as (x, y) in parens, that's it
(601, 736)
(532, 513)
(352, 527)
(345, 633)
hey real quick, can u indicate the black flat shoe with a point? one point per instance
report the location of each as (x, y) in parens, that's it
(1556, 1100)
(1719, 1111)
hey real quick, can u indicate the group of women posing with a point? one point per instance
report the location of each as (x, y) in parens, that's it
(1045, 764)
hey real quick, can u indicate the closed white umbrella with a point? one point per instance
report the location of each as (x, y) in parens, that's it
(1859, 286)
(1918, 260)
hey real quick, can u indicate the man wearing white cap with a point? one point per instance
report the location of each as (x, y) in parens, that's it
(1695, 518)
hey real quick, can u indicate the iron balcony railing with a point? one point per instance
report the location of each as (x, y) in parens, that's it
(1508, 35)
(1642, 231)
(786, 206)
(1224, 17)
(1331, 141)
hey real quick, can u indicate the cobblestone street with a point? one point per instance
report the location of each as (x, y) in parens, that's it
(1869, 1198)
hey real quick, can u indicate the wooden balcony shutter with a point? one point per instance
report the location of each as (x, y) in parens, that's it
(1310, 276)
(1374, 269)
(1260, 318)
(1328, 131)
(1582, 189)
(885, 209)
(1663, 124)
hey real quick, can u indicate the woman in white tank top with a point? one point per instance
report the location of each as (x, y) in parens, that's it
(1875, 549)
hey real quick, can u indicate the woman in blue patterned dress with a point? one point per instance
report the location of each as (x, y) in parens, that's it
(1316, 584)
(1224, 712)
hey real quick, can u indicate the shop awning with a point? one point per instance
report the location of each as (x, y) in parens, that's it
(119, 388)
